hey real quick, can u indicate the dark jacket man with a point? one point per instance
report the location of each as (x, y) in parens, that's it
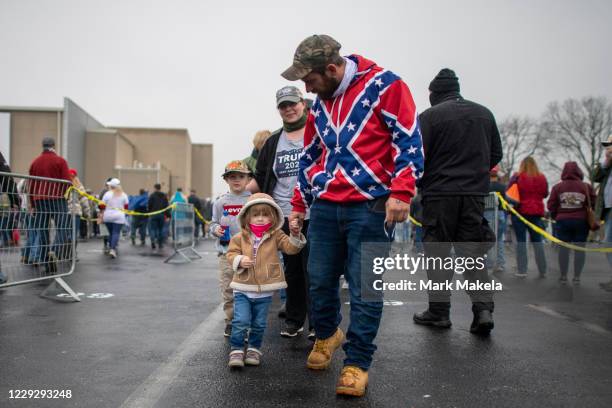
(461, 144)
(7, 184)
(157, 201)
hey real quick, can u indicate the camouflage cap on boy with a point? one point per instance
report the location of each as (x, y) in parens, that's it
(314, 52)
(236, 166)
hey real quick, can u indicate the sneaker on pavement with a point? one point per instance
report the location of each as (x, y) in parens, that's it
(112, 253)
(499, 269)
(228, 330)
(253, 357)
(482, 323)
(520, 275)
(352, 382)
(291, 330)
(236, 359)
(428, 318)
(311, 335)
(322, 351)
(563, 280)
(576, 281)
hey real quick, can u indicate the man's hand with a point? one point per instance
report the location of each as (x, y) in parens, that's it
(295, 228)
(246, 262)
(297, 216)
(397, 210)
(218, 232)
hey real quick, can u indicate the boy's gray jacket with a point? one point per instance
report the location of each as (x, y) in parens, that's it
(233, 203)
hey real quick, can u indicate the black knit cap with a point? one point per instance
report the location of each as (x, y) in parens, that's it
(445, 81)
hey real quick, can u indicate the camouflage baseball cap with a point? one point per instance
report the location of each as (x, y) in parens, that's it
(236, 166)
(288, 94)
(315, 51)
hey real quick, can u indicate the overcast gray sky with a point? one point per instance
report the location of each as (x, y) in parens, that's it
(213, 67)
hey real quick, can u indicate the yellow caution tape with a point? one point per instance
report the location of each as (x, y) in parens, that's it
(415, 222)
(195, 210)
(127, 212)
(545, 234)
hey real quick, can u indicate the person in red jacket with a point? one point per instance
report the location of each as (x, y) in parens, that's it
(568, 207)
(533, 189)
(49, 202)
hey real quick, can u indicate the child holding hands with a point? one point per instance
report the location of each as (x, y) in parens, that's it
(258, 272)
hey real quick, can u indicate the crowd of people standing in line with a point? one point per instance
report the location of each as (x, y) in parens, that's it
(30, 208)
(341, 172)
(347, 168)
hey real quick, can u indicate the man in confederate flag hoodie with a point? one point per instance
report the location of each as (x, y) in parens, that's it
(362, 156)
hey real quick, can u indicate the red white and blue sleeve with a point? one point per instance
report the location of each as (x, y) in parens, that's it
(302, 196)
(399, 113)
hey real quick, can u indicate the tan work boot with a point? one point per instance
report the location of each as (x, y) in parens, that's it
(322, 351)
(353, 381)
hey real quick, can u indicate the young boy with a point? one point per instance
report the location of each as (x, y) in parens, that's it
(225, 210)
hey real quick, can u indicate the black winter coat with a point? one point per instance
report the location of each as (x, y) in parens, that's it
(461, 144)
(264, 171)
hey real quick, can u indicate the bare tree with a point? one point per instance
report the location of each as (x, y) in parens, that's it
(574, 130)
(519, 139)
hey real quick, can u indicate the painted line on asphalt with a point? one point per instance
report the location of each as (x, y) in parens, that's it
(154, 387)
(595, 328)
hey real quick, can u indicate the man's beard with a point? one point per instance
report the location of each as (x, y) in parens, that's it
(331, 84)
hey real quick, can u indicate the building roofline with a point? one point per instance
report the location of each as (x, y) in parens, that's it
(81, 108)
(112, 132)
(29, 109)
(147, 128)
(154, 129)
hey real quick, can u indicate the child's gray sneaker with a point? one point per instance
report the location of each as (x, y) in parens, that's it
(236, 358)
(253, 357)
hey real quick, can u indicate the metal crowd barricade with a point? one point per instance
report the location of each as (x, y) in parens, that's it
(492, 207)
(182, 234)
(37, 233)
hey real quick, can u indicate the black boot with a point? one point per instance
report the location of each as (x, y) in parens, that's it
(482, 323)
(429, 318)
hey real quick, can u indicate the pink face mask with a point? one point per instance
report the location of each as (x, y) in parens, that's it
(259, 230)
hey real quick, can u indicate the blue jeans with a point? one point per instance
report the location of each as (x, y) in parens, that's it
(31, 249)
(418, 239)
(44, 211)
(574, 232)
(139, 224)
(500, 260)
(521, 230)
(249, 314)
(336, 233)
(156, 228)
(114, 231)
